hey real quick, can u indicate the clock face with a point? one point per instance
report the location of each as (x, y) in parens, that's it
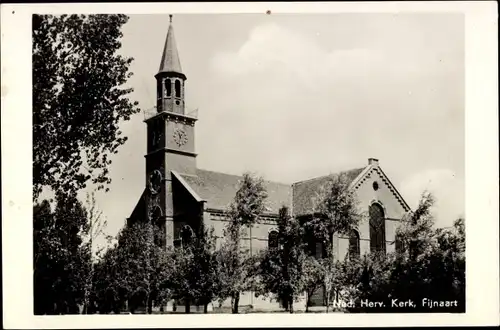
(155, 181)
(180, 137)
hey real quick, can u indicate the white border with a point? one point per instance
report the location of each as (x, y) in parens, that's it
(481, 168)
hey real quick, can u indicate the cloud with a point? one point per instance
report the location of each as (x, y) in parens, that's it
(272, 50)
(301, 97)
(446, 187)
(316, 107)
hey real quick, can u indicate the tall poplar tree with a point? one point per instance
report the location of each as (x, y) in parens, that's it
(79, 99)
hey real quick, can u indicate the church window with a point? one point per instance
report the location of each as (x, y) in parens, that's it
(187, 235)
(177, 88)
(375, 186)
(273, 239)
(168, 87)
(354, 249)
(377, 228)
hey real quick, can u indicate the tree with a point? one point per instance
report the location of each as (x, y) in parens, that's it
(244, 211)
(134, 270)
(181, 279)
(314, 275)
(335, 211)
(416, 232)
(430, 265)
(60, 259)
(110, 287)
(447, 265)
(204, 272)
(47, 250)
(281, 269)
(78, 99)
(95, 229)
(369, 279)
(194, 276)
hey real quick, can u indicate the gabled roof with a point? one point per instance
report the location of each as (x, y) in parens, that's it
(219, 189)
(170, 61)
(305, 191)
(368, 170)
(187, 186)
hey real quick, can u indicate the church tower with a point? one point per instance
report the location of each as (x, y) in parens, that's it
(170, 141)
(170, 79)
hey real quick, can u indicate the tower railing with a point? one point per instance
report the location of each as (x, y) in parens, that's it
(152, 112)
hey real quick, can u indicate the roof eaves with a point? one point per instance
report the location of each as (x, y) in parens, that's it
(360, 176)
(408, 209)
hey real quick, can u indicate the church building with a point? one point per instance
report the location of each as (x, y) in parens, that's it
(178, 196)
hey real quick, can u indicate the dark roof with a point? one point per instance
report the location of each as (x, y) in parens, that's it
(305, 191)
(219, 189)
(170, 61)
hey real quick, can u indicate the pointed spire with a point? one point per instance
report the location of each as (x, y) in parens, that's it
(170, 59)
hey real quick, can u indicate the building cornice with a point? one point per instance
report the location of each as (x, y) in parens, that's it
(173, 151)
(173, 116)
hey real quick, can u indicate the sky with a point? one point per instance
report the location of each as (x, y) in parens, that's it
(292, 97)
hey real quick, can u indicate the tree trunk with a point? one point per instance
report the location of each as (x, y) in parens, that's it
(187, 304)
(236, 302)
(205, 308)
(89, 278)
(290, 305)
(150, 305)
(251, 254)
(284, 303)
(327, 300)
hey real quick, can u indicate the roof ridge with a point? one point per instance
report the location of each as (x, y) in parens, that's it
(239, 176)
(327, 175)
(211, 171)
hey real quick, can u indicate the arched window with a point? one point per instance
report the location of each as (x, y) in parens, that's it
(354, 250)
(272, 242)
(377, 228)
(187, 235)
(168, 87)
(177, 88)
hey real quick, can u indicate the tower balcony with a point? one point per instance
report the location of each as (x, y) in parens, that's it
(191, 113)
